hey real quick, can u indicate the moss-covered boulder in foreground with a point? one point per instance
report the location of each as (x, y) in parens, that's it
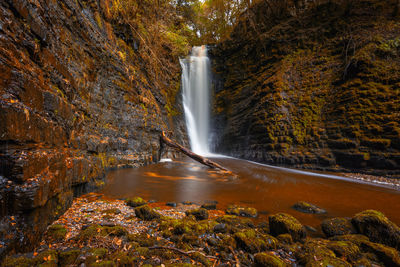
(283, 223)
(387, 255)
(251, 241)
(199, 214)
(377, 227)
(56, 232)
(135, 202)
(337, 226)
(268, 260)
(316, 253)
(146, 213)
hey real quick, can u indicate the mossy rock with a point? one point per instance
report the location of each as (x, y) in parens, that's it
(251, 241)
(285, 238)
(18, 261)
(387, 255)
(47, 258)
(316, 253)
(135, 202)
(115, 230)
(337, 226)
(91, 232)
(241, 211)
(236, 222)
(56, 232)
(283, 223)
(143, 239)
(146, 213)
(377, 227)
(122, 259)
(68, 257)
(105, 263)
(306, 207)
(209, 206)
(354, 238)
(268, 260)
(199, 214)
(345, 250)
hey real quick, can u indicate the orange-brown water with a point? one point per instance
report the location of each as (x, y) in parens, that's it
(268, 189)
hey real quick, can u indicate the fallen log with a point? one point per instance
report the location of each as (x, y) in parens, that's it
(187, 152)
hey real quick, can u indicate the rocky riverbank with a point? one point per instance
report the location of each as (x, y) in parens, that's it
(105, 232)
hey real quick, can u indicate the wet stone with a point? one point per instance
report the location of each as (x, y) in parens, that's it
(171, 204)
(241, 211)
(209, 206)
(306, 207)
(220, 228)
(199, 214)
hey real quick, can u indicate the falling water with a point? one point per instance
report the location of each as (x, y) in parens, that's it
(196, 98)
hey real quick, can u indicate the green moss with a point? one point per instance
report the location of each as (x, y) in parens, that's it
(57, 232)
(241, 211)
(135, 202)
(47, 258)
(18, 262)
(283, 223)
(345, 250)
(268, 260)
(377, 227)
(91, 232)
(122, 259)
(316, 253)
(99, 253)
(146, 213)
(115, 230)
(69, 257)
(252, 241)
(337, 226)
(285, 238)
(389, 256)
(199, 214)
(106, 263)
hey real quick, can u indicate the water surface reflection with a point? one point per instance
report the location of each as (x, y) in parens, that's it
(268, 189)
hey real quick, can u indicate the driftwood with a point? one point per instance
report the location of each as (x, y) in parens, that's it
(187, 152)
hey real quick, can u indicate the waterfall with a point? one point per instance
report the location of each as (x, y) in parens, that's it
(196, 98)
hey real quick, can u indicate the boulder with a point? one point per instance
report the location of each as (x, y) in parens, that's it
(135, 202)
(387, 255)
(337, 226)
(252, 242)
(268, 260)
(146, 213)
(377, 227)
(241, 211)
(283, 223)
(199, 214)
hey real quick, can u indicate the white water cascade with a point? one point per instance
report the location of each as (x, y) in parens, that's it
(196, 98)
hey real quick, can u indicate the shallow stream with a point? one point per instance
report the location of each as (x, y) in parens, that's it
(268, 189)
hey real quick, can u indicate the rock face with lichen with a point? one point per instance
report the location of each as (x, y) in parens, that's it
(318, 88)
(76, 99)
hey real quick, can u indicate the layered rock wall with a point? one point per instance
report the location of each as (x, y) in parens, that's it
(317, 89)
(75, 100)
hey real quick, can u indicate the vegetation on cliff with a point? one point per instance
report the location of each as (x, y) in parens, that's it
(314, 86)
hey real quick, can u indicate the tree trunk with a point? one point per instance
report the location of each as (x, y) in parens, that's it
(187, 152)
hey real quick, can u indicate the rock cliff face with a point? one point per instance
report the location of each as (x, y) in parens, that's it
(75, 100)
(319, 88)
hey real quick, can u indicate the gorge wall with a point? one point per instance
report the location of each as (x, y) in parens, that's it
(77, 97)
(315, 87)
